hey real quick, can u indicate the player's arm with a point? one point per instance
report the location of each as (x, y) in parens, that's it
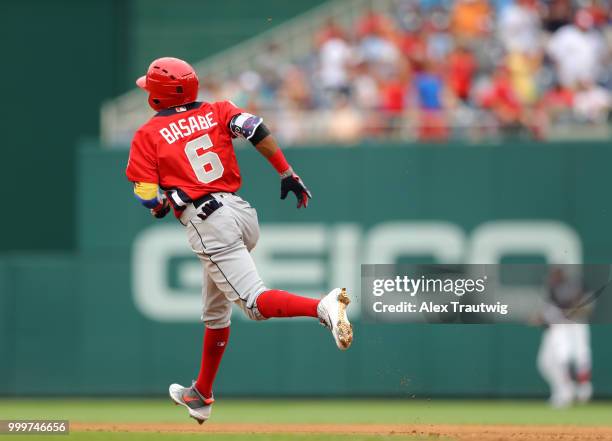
(149, 195)
(252, 128)
(290, 181)
(142, 172)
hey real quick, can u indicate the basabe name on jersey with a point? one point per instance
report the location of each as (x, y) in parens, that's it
(187, 126)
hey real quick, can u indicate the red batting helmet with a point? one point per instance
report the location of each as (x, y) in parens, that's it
(170, 82)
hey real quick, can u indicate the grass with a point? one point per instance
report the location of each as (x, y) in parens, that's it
(314, 411)
(300, 411)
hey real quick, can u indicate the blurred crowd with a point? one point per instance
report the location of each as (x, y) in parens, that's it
(435, 70)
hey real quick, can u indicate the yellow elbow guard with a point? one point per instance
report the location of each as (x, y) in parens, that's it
(147, 193)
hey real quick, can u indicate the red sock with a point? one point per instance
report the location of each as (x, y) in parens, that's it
(584, 376)
(215, 341)
(277, 303)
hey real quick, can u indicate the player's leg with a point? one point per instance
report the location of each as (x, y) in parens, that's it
(553, 363)
(581, 354)
(271, 302)
(218, 242)
(231, 267)
(216, 313)
(221, 241)
(277, 303)
(330, 310)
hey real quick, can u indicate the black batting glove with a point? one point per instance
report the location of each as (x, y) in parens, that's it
(290, 182)
(162, 209)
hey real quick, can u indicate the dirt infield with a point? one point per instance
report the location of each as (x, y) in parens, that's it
(459, 432)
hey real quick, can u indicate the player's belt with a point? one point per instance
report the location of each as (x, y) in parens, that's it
(206, 205)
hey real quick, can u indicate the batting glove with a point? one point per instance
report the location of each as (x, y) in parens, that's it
(162, 209)
(292, 182)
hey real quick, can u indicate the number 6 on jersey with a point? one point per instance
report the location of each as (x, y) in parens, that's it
(206, 165)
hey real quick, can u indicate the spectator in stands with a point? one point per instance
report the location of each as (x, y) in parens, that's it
(270, 65)
(558, 103)
(523, 71)
(428, 5)
(413, 47)
(504, 104)
(439, 42)
(501, 5)
(578, 51)
(410, 15)
(295, 88)
(374, 23)
(556, 14)
(364, 87)
(431, 97)
(247, 94)
(427, 57)
(329, 31)
(555, 107)
(607, 29)
(377, 45)
(345, 123)
(289, 123)
(393, 91)
(600, 9)
(367, 98)
(462, 66)
(519, 27)
(335, 56)
(471, 19)
(380, 53)
(592, 103)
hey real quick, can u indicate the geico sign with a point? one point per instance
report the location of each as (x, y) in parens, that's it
(316, 256)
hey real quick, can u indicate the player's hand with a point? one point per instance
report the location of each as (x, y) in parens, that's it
(293, 183)
(162, 209)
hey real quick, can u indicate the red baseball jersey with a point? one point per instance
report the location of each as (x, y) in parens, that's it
(187, 151)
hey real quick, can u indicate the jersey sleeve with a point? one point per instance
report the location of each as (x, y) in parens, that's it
(142, 163)
(226, 111)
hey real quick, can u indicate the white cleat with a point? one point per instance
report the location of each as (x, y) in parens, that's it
(332, 314)
(584, 392)
(199, 407)
(561, 400)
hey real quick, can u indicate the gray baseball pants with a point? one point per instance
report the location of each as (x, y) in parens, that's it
(223, 242)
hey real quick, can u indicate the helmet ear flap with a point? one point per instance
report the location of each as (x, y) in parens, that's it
(155, 103)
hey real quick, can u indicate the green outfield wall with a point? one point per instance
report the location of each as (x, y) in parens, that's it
(121, 315)
(68, 57)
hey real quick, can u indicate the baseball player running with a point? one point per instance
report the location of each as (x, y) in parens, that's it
(183, 159)
(564, 358)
